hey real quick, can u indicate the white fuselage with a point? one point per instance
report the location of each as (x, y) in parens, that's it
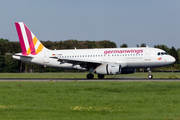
(140, 57)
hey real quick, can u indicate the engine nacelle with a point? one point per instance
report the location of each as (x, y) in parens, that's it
(108, 69)
(128, 70)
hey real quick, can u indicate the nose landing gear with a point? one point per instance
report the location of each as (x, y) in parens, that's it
(149, 72)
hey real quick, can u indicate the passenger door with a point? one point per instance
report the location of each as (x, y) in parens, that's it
(148, 55)
(46, 57)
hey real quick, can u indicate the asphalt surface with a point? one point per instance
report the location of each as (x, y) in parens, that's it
(69, 80)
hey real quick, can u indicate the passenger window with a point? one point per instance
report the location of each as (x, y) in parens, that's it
(162, 53)
(158, 53)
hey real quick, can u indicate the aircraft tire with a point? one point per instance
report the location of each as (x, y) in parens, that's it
(100, 76)
(150, 76)
(90, 76)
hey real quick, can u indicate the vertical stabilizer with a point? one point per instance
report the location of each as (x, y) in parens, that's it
(28, 41)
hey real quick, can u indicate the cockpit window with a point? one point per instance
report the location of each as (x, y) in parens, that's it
(162, 53)
(165, 53)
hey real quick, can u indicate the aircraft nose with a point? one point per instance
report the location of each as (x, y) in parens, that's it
(172, 59)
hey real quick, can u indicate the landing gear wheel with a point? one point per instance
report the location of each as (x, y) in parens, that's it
(100, 76)
(90, 76)
(149, 72)
(150, 76)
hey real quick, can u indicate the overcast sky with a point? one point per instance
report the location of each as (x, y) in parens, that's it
(132, 22)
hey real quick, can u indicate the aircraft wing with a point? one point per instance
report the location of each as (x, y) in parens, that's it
(83, 62)
(87, 62)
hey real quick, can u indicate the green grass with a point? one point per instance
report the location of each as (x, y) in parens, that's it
(83, 75)
(89, 100)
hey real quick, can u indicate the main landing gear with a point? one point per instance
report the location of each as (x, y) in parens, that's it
(91, 76)
(101, 76)
(149, 72)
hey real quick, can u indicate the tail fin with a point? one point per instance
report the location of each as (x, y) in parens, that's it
(28, 41)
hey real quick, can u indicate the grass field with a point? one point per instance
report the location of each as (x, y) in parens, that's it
(89, 100)
(83, 75)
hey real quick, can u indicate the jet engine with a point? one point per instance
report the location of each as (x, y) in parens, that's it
(108, 69)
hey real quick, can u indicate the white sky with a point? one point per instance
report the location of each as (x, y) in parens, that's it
(122, 21)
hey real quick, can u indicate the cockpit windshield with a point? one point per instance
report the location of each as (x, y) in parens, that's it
(162, 53)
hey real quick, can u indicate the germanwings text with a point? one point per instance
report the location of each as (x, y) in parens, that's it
(123, 51)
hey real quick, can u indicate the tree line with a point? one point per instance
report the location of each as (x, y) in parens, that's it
(8, 64)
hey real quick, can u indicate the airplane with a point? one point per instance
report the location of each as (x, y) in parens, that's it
(104, 61)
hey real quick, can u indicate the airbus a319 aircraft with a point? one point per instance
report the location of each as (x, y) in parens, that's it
(106, 61)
